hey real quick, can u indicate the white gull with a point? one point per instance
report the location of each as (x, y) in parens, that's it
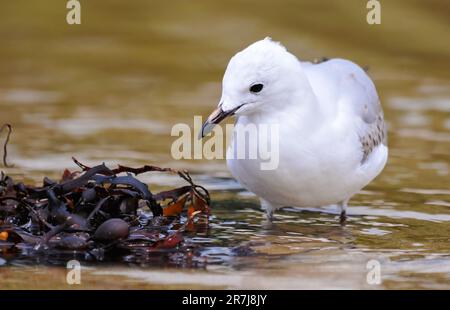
(332, 135)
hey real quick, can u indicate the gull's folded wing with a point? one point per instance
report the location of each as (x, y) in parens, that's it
(349, 88)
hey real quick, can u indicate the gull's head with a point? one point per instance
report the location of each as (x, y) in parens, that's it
(258, 79)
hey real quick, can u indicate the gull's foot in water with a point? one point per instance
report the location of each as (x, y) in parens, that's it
(343, 217)
(269, 215)
(343, 207)
(269, 208)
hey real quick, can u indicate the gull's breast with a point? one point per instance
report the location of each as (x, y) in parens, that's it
(324, 169)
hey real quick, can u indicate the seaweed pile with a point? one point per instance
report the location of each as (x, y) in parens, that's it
(100, 212)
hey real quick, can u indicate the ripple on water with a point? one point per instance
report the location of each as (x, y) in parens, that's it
(30, 96)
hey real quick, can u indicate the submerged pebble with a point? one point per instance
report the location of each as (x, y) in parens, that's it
(73, 243)
(112, 229)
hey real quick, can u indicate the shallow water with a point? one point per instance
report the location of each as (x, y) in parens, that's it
(111, 89)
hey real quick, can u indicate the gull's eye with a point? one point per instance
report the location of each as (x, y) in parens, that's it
(256, 88)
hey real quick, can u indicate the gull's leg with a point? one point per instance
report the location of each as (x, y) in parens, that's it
(268, 207)
(343, 208)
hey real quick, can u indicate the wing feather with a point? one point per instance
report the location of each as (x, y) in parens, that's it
(349, 85)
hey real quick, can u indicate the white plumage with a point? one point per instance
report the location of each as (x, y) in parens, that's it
(332, 135)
